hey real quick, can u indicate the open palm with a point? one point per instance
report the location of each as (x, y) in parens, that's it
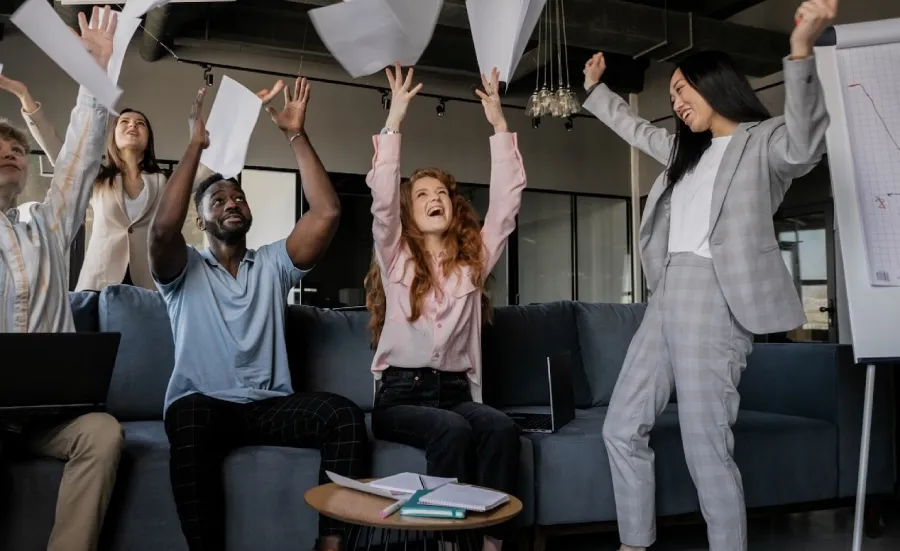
(292, 117)
(97, 36)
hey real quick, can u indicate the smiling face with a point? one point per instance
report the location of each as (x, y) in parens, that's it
(13, 166)
(432, 208)
(132, 132)
(689, 105)
(224, 213)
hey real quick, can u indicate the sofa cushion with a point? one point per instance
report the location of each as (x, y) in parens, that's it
(604, 334)
(329, 351)
(515, 348)
(783, 459)
(146, 352)
(85, 310)
(264, 486)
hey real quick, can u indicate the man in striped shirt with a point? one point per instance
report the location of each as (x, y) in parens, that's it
(34, 282)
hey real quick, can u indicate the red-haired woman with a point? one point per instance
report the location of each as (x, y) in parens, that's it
(427, 297)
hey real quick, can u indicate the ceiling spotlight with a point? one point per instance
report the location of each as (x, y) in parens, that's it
(208, 76)
(385, 101)
(441, 107)
(535, 122)
(570, 124)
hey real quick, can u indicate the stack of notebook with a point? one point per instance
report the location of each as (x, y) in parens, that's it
(452, 501)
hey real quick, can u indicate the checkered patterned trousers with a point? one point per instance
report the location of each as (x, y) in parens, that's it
(690, 342)
(202, 430)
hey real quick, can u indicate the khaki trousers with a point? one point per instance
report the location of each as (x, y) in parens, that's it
(90, 445)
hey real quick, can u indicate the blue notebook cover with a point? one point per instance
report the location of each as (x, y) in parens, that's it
(412, 508)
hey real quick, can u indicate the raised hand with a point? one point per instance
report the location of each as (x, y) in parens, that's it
(812, 17)
(267, 95)
(199, 135)
(291, 119)
(19, 90)
(401, 95)
(593, 70)
(97, 36)
(490, 100)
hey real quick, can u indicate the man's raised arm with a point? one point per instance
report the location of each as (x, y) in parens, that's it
(314, 231)
(168, 250)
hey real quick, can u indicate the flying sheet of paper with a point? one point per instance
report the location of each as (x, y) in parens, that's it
(231, 122)
(137, 8)
(366, 36)
(1, 68)
(43, 26)
(125, 28)
(501, 30)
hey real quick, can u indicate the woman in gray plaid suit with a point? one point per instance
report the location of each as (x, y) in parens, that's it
(713, 267)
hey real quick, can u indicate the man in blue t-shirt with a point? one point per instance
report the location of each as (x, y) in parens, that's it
(231, 385)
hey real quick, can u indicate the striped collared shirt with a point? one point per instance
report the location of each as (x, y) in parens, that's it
(34, 267)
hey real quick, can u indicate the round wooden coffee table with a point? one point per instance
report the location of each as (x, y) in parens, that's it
(362, 512)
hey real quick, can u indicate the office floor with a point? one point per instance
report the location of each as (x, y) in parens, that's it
(819, 531)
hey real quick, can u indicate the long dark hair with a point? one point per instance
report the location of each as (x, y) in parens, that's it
(113, 165)
(714, 76)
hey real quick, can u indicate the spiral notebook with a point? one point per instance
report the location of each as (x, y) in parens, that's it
(459, 496)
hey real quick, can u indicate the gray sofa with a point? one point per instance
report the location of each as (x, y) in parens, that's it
(797, 435)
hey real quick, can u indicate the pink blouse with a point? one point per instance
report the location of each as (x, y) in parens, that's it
(447, 336)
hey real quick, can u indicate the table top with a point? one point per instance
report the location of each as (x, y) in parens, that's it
(364, 509)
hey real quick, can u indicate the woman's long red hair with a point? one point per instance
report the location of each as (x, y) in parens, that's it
(464, 248)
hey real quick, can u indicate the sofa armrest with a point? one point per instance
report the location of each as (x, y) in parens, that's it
(821, 381)
(798, 379)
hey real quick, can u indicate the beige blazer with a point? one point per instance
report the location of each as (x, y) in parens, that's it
(117, 242)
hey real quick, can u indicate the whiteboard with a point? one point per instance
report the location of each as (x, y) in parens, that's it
(859, 68)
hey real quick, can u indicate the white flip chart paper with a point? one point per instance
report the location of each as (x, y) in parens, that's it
(42, 25)
(231, 122)
(366, 36)
(501, 30)
(125, 29)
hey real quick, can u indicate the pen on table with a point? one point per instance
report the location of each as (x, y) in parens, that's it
(392, 508)
(421, 481)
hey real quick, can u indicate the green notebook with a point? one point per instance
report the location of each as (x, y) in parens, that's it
(412, 508)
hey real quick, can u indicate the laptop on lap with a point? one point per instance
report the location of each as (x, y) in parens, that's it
(56, 373)
(562, 399)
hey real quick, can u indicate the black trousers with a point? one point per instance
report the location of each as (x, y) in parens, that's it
(202, 430)
(433, 411)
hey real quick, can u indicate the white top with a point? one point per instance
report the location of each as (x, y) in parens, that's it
(692, 202)
(133, 206)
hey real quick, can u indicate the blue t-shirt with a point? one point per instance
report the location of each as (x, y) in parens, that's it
(229, 332)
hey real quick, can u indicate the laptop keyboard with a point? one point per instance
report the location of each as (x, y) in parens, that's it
(535, 421)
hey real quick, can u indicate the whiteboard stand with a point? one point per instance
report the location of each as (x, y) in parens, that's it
(863, 167)
(858, 519)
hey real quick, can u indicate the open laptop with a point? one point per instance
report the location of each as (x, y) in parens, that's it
(53, 373)
(562, 399)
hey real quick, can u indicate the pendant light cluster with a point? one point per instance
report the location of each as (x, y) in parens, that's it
(549, 100)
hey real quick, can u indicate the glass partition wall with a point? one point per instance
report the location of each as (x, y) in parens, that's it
(565, 247)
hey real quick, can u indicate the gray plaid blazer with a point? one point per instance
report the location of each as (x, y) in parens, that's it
(757, 169)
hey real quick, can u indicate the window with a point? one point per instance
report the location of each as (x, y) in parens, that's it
(604, 257)
(545, 247)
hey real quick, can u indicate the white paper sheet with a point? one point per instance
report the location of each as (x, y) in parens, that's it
(366, 36)
(231, 122)
(42, 25)
(125, 28)
(357, 485)
(410, 483)
(137, 8)
(501, 30)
